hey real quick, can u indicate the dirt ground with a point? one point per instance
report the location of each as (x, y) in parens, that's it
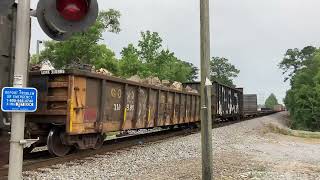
(245, 150)
(257, 153)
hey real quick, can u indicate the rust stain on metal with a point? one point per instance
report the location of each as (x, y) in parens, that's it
(93, 103)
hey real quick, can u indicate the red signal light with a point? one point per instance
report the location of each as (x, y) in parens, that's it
(72, 10)
(60, 19)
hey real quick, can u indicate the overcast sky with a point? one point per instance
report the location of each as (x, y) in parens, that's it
(252, 34)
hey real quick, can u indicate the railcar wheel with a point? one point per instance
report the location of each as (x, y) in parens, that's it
(55, 145)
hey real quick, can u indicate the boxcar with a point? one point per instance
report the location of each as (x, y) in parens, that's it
(75, 108)
(278, 108)
(227, 102)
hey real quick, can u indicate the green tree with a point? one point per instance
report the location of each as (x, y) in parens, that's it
(84, 47)
(34, 59)
(192, 71)
(149, 46)
(130, 63)
(150, 59)
(295, 59)
(271, 101)
(222, 71)
(303, 99)
(168, 66)
(105, 58)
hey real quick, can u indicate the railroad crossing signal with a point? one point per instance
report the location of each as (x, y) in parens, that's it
(59, 19)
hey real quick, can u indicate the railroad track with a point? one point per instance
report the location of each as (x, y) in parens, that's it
(44, 159)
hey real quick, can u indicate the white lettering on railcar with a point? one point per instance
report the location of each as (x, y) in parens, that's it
(130, 107)
(54, 71)
(116, 107)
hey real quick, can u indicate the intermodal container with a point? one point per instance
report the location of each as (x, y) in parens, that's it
(250, 105)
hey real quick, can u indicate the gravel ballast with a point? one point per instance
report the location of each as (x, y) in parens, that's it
(245, 150)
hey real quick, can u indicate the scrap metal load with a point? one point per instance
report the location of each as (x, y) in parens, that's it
(46, 65)
(164, 83)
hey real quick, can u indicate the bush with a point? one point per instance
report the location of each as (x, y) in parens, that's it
(303, 99)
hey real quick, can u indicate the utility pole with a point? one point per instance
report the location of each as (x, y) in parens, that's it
(206, 116)
(38, 49)
(20, 80)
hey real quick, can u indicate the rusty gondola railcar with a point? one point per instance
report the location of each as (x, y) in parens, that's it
(227, 102)
(75, 108)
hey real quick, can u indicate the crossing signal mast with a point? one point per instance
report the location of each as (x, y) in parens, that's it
(59, 19)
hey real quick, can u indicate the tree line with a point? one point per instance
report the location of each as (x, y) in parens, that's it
(302, 69)
(271, 101)
(147, 58)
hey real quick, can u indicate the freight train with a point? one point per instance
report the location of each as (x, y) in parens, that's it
(78, 108)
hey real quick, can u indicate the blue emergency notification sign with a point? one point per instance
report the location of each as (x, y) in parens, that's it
(19, 99)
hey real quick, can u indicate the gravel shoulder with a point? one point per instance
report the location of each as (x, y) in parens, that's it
(246, 150)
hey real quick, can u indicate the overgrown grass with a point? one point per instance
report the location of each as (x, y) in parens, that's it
(297, 133)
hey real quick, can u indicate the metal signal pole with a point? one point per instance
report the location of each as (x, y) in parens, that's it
(38, 50)
(206, 116)
(20, 80)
